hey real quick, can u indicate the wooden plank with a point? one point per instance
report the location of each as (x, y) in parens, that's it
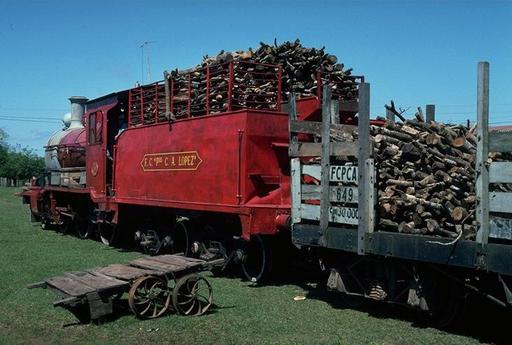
(500, 142)
(171, 258)
(365, 219)
(500, 202)
(148, 263)
(336, 194)
(482, 153)
(500, 172)
(431, 113)
(348, 106)
(295, 172)
(176, 260)
(335, 113)
(123, 272)
(347, 148)
(96, 282)
(325, 158)
(310, 212)
(158, 263)
(312, 170)
(315, 127)
(310, 192)
(69, 286)
(390, 116)
(500, 227)
(337, 214)
(292, 119)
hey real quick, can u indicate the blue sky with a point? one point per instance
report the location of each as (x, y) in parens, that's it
(414, 52)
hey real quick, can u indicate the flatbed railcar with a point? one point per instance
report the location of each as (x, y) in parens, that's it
(428, 273)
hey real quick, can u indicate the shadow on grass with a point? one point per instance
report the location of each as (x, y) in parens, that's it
(122, 309)
(478, 319)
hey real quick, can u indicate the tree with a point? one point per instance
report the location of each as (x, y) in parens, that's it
(18, 164)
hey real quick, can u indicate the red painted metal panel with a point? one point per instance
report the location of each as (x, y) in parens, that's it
(229, 161)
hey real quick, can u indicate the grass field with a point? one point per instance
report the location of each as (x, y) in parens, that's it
(244, 314)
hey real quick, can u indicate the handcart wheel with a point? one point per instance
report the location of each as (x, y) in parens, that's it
(192, 295)
(149, 297)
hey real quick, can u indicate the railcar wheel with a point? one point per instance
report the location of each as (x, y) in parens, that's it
(83, 227)
(108, 233)
(181, 237)
(192, 295)
(446, 300)
(149, 297)
(257, 259)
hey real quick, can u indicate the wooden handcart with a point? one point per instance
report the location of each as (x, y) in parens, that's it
(154, 285)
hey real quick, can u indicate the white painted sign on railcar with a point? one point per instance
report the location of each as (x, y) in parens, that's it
(344, 194)
(344, 215)
(343, 173)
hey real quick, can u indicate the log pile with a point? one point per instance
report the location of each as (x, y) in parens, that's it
(255, 78)
(426, 178)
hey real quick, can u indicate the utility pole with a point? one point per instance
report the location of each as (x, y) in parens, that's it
(142, 46)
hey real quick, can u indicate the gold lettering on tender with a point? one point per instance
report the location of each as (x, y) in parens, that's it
(171, 161)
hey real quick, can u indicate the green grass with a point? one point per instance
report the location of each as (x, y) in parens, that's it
(244, 314)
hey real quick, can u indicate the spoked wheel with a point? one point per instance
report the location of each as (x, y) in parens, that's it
(181, 237)
(107, 233)
(192, 295)
(257, 260)
(149, 297)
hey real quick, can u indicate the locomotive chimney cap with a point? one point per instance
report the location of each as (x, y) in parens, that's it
(78, 99)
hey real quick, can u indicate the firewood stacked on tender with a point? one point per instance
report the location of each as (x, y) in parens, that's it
(255, 80)
(426, 178)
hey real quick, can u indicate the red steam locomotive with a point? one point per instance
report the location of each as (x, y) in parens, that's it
(205, 175)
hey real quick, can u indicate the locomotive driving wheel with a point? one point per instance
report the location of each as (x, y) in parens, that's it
(192, 295)
(83, 227)
(149, 297)
(257, 259)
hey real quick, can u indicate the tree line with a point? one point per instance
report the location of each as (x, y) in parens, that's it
(18, 164)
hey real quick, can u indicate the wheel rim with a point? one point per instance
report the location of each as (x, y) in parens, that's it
(180, 238)
(107, 233)
(149, 297)
(192, 295)
(256, 260)
(83, 227)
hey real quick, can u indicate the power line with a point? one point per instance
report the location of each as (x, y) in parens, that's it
(31, 108)
(27, 120)
(31, 117)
